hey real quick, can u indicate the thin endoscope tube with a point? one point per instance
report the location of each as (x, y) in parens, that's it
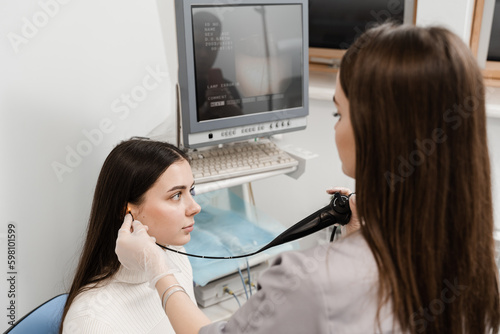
(269, 245)
(333, 233)
(203, 256)
(293, 233)
(211, 257)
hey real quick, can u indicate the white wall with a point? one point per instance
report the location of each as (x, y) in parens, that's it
(65, 67)
(456, 15)
(68, 76)
(494, 146)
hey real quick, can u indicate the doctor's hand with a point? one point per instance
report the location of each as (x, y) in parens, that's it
(354, 223)
(136, 250)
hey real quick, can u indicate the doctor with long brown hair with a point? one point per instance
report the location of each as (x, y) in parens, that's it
(411, 130)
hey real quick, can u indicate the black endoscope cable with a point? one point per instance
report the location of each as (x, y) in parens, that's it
(202, 256)
(320, 214)
(333, 233)
(205, 256)
(212, 257)
(301, 229)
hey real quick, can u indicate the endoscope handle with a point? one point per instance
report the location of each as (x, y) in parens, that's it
(336, 212)
(340, 208)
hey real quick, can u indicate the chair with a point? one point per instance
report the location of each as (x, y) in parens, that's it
(46, 318)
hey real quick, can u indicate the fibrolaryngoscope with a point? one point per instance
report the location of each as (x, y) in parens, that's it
(336, 212)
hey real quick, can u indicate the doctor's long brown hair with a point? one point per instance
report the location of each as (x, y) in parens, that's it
(423, 183)
(130, 169)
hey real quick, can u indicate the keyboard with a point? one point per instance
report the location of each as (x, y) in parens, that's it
(238, 159)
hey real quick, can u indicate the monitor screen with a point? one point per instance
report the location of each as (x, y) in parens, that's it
(242, 69)
(494, 46)
(335, 24)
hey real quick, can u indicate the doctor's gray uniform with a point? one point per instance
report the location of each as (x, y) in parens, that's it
(327, 289)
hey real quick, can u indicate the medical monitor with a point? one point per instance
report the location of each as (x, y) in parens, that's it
(335, 24)
(494, 45)
(243, 69)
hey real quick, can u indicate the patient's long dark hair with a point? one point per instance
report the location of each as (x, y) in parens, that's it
(423, 183)
(128, 172)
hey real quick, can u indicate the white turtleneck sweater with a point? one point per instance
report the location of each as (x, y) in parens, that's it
(125, 303)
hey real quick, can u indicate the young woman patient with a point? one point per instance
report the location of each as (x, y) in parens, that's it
(153, 181)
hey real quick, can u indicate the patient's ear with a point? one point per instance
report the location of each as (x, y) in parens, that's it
(131, 209)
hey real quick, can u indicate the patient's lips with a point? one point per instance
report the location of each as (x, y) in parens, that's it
(189, 228)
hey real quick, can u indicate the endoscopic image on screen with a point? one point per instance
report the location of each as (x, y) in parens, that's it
(248, 59)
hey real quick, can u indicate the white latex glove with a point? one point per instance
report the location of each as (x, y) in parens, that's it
(354, 223)
(136, 250)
